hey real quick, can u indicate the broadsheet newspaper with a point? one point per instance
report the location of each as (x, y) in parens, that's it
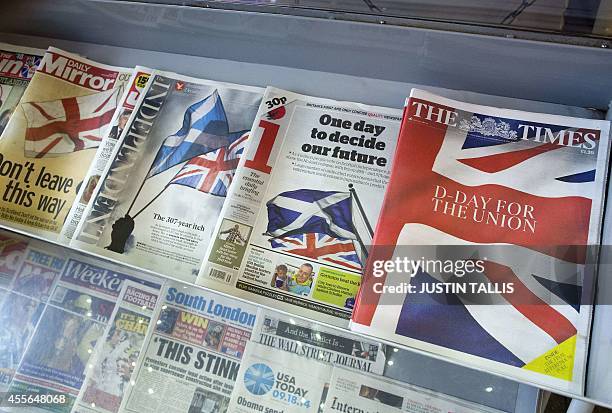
(50, 140)
(283, 333)
(161, 195)
(294, 230)
(116, 356)
(366, 393)
(17, 66)
(473, 176)
(279, 381)
(105, 151)
(191, 357)
(80, 294)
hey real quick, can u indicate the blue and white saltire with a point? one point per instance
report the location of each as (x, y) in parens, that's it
(311, 211)
(204, 129)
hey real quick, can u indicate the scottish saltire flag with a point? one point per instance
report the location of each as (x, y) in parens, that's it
(311, 211)
(67, 125)
(320, 247)
(204, 129)
(214, 171)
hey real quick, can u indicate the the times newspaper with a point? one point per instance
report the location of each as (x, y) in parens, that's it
(160, 196)
(105, 151)
(298, 219)
(192, 355)
(115, 358)
(17, 66)
(80, 295)
(280, 381)
(518, 194)
(283, 333)
(366, 393)
(52, 136)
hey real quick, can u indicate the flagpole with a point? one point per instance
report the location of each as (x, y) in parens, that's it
(363, 215)
(149, 203)
(353, 195)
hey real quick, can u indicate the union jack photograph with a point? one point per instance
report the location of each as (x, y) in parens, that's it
(214, 171)
(63, 126)
(321, 247)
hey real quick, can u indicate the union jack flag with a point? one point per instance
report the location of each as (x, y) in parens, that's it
(214, 171)
(545, 182)
(68, 125)
(320, 247)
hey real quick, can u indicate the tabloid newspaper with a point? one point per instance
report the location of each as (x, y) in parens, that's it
(161, 194)
(81, 298)
(12, 251)
(516, 199)
(106, 149)
(50, 140)
(367, 393)
(116, 357)
(279, 381)
(329, 345)
(32, 268)
(17, 66)
(294, 230)
(191, 357)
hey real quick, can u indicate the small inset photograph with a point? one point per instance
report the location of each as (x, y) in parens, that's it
(205, 401)
(234, 232)
(300, 281)
(282, 272)
(382, 397)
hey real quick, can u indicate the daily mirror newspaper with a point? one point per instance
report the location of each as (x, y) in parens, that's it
(17, 66)
(312, 340)
(279, 381)
(294, 230)
(365, 393)
(12, 251)
(78, 309)
(105, 151)
(115, 359)
(191, 357)
(161, 195)
(518, 195)
(51, 137)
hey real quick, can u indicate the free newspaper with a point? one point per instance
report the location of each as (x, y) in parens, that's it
(161, 193)
(50, 140)
(365, 393)
(17, 66)
(294, 231)
(191, 356)
(73, 299)
(103, 155)
(510, 205)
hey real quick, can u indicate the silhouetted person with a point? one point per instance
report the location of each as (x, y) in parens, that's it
(122, 228)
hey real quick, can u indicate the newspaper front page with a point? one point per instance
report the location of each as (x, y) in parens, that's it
(17, 66)
(80, 304)
(282, 333)
(279, 382)
(33, 268)
(51, 138)
(365, 393)
(191, 357)
(116, 356)
(106, 150)
(294, 231)
(161, 194)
